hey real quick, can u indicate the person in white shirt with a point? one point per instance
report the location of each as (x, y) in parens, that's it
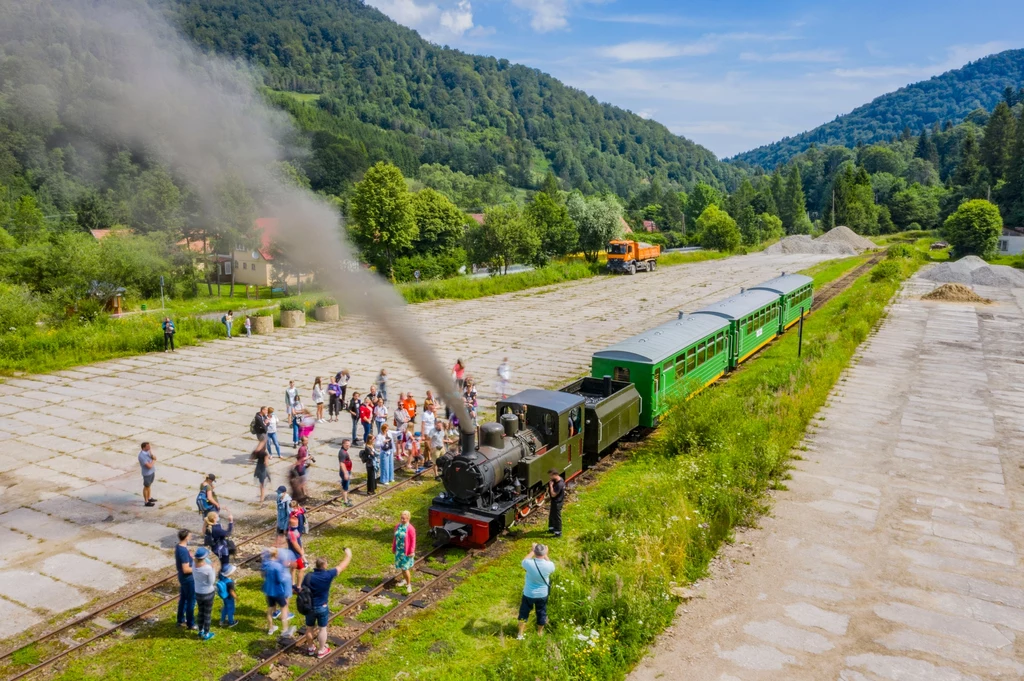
(319, 396)
(272, 431)
(504, 378)
(429, 421)
(291, 396)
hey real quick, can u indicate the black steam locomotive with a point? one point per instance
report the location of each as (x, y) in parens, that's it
(492, 485)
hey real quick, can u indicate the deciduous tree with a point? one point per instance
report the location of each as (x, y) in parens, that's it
(717, 231)
(504, 239)
(385, 226)
(550, 219)
(974, 228)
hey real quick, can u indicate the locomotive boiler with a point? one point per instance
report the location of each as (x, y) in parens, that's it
(492, 484)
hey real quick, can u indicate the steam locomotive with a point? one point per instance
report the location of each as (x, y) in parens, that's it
(490, 487)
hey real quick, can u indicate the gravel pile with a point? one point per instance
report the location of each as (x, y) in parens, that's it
(973, 271)
(845, 235)
(957, 293)
(801, 243)
(837, 241)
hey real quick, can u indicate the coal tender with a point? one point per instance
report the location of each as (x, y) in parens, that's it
(492, 484)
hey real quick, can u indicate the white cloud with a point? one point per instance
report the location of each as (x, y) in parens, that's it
(808, 56)
(644, 19)
(956, 57)
(546, 15)
(643, 50)
(430, 19)
(646, 50)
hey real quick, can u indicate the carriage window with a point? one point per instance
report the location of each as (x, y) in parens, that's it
(681, 364)
(621, 374)
(750, 325)
(549, 422)
(721, 342)
(702, 354)
(667, 366)
(657, 380)
(574, 421)
(691, 360)
(711, 348)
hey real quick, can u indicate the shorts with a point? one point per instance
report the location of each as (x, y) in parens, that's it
(318, 618)
(345, 483)
(147, 480)
(276, 602)
(527, 604)
(300, 564)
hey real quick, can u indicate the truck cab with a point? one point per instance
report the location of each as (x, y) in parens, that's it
(629, 257)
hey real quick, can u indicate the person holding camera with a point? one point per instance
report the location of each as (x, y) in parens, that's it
(536, 588)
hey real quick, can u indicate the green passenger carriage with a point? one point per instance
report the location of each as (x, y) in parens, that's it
(753, 318)
(675, 359)
(796, 292)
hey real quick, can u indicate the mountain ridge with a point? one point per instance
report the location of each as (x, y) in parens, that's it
(949, 96)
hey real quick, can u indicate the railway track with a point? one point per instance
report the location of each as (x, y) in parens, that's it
(86, 629)
(346, 634)
(834, 288)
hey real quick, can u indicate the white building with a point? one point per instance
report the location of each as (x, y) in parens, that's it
(1011, 243)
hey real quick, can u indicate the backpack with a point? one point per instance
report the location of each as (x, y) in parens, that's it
(304, 599)
(252, 426)
(224, 319)
(203, 502)
(222, 587)
(282, 512)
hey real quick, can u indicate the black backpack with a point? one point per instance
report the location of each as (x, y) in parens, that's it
(304, 599)
(252, 426)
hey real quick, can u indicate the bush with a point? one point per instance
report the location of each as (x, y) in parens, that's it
(19, 308)
(900, 251)
(887, 270)
(290, 305)
(974, 228)
(326, 302)
(914, 227)
(441, 266)
(265, 312)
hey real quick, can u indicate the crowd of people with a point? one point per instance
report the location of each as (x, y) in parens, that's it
(384, 439)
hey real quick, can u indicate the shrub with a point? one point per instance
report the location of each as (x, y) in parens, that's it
(291, 305)
(889, 270)
(974, 228)
(326, 302)
(19, 308)
(265, 312)
(900, 251)
(441, 266)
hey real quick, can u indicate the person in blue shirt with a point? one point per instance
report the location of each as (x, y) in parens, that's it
(319, 584)
(186, 582)
(277, 587)
(537, 588)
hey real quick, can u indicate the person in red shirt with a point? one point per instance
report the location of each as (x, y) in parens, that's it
(409, 404)
(345, 469)
(294, 538)
(366, 419)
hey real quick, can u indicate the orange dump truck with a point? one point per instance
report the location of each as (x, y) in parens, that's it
(629, 256)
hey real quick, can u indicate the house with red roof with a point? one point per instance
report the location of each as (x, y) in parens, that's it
(252, 266)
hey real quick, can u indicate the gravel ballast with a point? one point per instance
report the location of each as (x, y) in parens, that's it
(973, 271)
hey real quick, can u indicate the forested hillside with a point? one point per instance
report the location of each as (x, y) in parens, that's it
(951, 97)
(473, 114)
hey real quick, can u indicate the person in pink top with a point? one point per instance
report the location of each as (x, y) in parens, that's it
(404, 548)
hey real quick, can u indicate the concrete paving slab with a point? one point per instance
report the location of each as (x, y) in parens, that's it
(85, 572)
(154, 534)
(39, 592)
(39, 525)
(15, 619)
(124, 553)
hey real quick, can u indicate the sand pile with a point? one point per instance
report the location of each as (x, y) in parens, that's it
(801, 243)
(845, 235)
(973, 271)
(837, 241)
(957, 293)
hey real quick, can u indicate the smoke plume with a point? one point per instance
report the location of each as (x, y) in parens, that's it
(203, 117)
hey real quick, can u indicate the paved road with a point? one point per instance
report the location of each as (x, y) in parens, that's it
(71, 514)
(896, 552)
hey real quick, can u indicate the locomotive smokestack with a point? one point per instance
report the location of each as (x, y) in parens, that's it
(607, 386)
(468, 441)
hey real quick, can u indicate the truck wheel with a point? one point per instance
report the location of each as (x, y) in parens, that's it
(632, 268)
(652, 265)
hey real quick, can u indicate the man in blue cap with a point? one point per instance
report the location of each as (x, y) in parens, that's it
(206, 585)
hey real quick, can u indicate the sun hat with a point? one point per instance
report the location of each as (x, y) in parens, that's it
(201, 553)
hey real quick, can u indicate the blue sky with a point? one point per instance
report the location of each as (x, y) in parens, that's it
(730, 75)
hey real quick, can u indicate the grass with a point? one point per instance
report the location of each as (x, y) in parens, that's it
(639, 530)
(646, 526)
(164, 651)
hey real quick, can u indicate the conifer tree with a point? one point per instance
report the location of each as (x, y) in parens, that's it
(997, 144)
(793, 209)
(778, 190)
(968, 167)
(1012, 200)
(926, 149)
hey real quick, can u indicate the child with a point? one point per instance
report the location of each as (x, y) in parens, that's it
(297, 511)
(248, 327)
(226, 591)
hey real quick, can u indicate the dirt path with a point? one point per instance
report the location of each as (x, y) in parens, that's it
(896, 552)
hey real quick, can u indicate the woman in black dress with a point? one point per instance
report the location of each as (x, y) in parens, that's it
(262, 475)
